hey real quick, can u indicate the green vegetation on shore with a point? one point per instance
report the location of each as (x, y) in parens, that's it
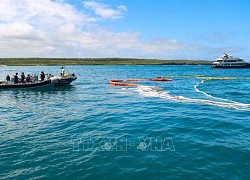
(95, 61)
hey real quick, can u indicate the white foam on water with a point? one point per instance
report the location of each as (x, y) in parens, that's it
(210, 96)
(151, 91)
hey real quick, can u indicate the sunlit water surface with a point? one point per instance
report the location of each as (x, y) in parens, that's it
(95, 131)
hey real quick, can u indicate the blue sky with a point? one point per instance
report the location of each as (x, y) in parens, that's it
(163, 29)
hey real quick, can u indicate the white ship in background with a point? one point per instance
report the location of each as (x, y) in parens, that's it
(228, 61)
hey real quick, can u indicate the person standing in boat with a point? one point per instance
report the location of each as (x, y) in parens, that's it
(42, 76)
(16, 78)
(22, 78)
(62, 71)
(7, 78)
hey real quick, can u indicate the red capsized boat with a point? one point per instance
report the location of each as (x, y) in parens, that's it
(161, 79)
(120, 83)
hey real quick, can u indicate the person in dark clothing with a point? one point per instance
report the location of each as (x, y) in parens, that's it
(7, 78)
(28, 78)
(42, 76)
(22, 78)
(16, 78)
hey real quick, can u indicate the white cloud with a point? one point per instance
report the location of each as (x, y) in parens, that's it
(16, 30)
(35, 28)
(105, 11)
(41, 12)
(56, 29)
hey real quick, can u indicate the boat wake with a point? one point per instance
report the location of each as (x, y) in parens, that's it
(210, 96)
(152, 91)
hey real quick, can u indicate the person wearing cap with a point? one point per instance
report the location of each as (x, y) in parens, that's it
(62, 71)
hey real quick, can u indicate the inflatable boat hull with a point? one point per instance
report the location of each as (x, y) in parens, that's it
(25, 85)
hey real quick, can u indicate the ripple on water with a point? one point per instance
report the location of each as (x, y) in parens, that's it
(39, 130)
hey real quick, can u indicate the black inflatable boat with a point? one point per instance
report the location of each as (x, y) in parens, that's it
(9, 85)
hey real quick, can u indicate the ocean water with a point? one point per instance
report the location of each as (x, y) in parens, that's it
(194, 127)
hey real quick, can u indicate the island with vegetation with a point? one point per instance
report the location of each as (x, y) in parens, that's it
(96, 61)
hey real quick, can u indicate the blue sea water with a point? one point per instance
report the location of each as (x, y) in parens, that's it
(187, 130)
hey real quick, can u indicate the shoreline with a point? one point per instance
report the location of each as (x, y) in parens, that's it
(95, 61)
